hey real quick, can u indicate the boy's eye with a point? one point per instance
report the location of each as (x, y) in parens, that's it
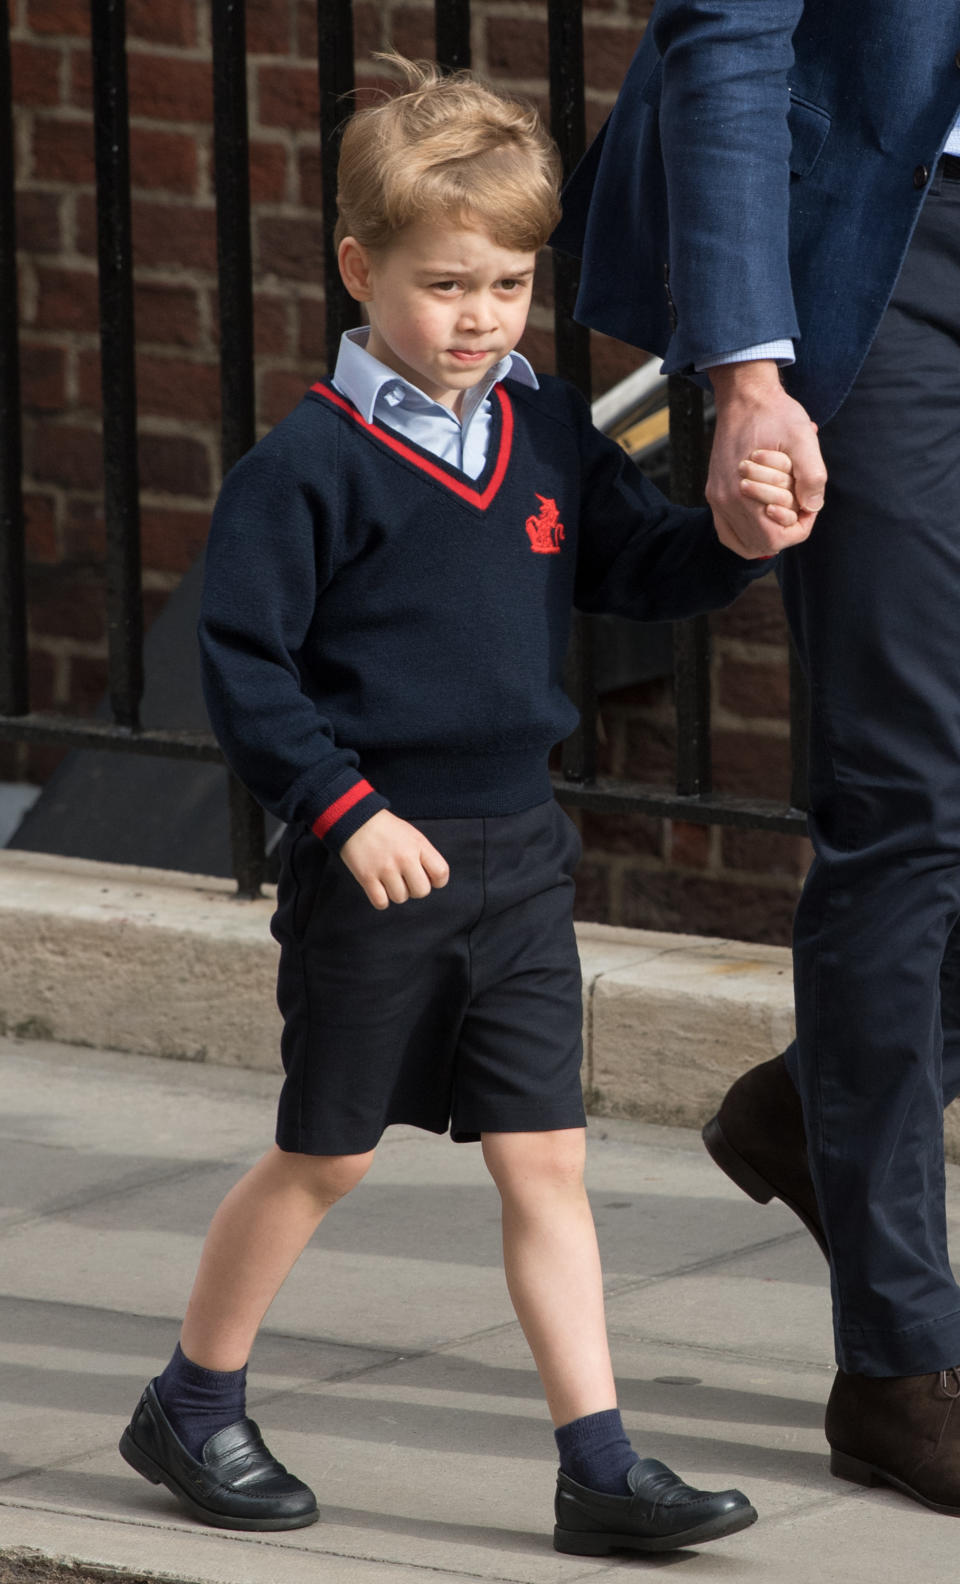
(445, 286)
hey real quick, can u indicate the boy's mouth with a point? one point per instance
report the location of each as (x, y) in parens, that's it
(464, 356)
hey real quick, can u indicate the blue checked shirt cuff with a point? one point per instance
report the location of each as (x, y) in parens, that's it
(781, 352)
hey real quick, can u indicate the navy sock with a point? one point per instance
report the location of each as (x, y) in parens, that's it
(198, 1402)
(595, 1452)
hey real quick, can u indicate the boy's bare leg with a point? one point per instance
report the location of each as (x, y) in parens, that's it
(552, 1266)
(255, 1238)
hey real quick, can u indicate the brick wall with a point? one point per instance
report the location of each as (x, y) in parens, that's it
(636, 871)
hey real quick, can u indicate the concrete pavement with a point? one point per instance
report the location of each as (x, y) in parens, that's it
(391, 1373)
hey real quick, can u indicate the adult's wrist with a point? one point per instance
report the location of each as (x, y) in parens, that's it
(753, 380)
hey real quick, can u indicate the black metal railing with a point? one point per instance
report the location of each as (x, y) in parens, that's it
(577, 782)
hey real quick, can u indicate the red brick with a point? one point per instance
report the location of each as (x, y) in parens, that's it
(11, 762)
(516, 47)
(174, 388)
(698, 906)
(268, 172)
(38, 764)
(607, 54)
(63, 151)
(543, 280)
(597, 110)
(654, 697)
(64, 454)
(67, 299)
(38, 222)
(689, 845)
(41, 526)
(373, 83)
(69, 17)
(163, 234)
(169, 88)
(628, 834)
(171, 540)
(370, 31)
(43, 375)
(88, 378)
(270, 25)
(650, 751)
(311, 342)
(751, 765)
(36, 70)
(592, 899)
(754, 690)
(766, 852)
(538, 345)
(289, 247)
(756, 617)
(311, 188)
(86, 684)
(166, 314)
(152, 603)
(174, 465)
(278, 393)
(80, 79)
(271, 331)
(288, 97)
(84, 530)
(413, 32)
(67, 601)
(163, 161)
(163, 21)
(305, 43)
(42, 677)
(611, 361)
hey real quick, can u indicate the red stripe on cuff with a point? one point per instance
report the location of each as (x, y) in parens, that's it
(336, 811)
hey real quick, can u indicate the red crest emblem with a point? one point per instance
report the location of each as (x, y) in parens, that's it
(544, 529)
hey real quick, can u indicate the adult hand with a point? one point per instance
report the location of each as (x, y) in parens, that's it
(755, 413)
(392, 860)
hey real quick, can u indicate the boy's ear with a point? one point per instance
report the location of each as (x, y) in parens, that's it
(355, 269)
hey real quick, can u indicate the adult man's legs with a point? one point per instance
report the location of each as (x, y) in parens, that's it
(872, 602)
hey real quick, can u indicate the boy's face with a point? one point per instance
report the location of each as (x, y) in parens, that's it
(445, 303)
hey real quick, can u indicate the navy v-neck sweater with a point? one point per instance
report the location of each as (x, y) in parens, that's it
(379, 630)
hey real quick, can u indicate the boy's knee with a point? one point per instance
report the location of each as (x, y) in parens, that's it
(330, 1177)
(521, 1163)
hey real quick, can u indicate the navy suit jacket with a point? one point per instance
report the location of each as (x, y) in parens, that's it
(760, 177)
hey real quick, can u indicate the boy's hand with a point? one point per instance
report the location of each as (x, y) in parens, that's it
(767, 477)
(755, 412)
(392, 860)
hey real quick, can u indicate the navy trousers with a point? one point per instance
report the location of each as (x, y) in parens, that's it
(873, 599)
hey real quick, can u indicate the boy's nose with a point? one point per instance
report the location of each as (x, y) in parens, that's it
(476, 316)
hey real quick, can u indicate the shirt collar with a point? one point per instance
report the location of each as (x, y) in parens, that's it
(363, 379)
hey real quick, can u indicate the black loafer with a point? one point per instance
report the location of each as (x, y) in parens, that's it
(660, 1514)
(237, 1484)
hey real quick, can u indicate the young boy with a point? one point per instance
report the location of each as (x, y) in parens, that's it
(390, 577)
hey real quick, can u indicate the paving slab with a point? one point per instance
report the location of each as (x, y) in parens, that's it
(391, 1373)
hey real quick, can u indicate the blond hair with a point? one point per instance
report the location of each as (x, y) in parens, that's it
(447, 147)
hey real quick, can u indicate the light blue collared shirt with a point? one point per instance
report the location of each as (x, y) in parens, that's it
(381, 395)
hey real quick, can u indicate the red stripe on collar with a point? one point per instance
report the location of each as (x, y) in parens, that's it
(435, 470)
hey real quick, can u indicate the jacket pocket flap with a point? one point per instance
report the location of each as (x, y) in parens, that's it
(809, 126)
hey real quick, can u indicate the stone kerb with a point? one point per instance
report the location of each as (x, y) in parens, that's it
(166, 964)
(141, 960)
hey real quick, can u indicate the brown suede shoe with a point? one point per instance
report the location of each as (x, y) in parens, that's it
(757, 1138)
(902, 1431)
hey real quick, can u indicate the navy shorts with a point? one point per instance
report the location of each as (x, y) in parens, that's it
(458, 1010)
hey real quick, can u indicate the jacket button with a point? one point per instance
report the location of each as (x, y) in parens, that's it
(921, 176)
